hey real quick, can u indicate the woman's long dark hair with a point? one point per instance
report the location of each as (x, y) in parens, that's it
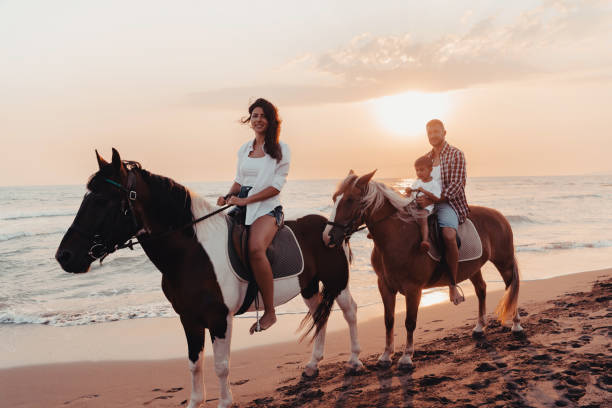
(272, 147)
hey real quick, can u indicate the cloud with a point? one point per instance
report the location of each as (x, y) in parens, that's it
(286, 95)
(487, 52)
(558, 36)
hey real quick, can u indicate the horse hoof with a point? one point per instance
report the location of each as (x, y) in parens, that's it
(354, 368)
(478, 335)
(384, 363)
(405, 367)
(310, 374)
(518, 334)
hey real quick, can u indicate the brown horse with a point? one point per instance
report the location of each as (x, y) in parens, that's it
(126, 201)
(402, 267)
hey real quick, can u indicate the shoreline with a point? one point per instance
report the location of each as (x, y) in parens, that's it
(277, 360)
(130, 340)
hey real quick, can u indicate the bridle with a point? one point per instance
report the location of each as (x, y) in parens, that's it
(348, 229)
(353, 226)
(100, 249)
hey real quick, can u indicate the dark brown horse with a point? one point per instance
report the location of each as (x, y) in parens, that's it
(126, 201)
(402, 267)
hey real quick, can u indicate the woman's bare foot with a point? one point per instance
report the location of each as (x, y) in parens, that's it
(455, 296)
(425, 246)
(267, 320)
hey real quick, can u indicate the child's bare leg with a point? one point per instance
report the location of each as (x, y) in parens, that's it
(424, 233)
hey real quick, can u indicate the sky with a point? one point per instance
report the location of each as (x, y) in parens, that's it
(523, 87)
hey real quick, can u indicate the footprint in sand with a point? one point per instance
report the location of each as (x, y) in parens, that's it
(163, 397)
(89, 396)
(431, 379)
(478, 385)
(484, 367)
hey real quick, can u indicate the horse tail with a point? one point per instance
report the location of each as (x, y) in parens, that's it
(330, 292)
(318, 320)
(507, 307)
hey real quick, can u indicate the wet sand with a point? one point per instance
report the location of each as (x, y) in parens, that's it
(564, 359)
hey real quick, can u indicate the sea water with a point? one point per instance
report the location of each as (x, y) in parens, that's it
(561, 225)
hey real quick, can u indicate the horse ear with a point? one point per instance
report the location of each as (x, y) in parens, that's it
(364, 180)
(101, 161)
(351, 172)
(116, 160)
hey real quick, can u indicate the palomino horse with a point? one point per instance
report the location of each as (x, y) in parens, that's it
(402, 267)
(125, 201)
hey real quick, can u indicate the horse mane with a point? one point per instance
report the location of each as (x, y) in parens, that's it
(375, 196)
(212, 225)
(171, 201)
(173, 204)
(183, 205)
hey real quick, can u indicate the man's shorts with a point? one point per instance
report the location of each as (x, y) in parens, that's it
(447, 217)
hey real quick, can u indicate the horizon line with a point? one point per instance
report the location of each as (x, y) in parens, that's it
(605, 173)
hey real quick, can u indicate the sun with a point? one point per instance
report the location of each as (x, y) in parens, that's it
(407, 113)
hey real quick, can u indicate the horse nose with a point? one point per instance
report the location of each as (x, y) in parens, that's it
(63, 256)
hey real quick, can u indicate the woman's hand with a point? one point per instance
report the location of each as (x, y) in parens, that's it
(221, 201)
(233, 200)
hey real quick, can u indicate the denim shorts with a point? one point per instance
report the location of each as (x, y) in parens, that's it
(239, 212)
(278, 214)
(447, 217)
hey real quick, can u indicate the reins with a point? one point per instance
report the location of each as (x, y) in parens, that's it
(99, 249)
(348, 228)
(129, 244)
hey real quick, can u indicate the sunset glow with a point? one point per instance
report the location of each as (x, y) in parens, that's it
(407, 113)
(167, 85)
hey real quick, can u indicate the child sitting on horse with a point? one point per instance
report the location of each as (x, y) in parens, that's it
(424, 184)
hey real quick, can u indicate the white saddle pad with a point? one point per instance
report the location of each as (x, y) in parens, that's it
(471, 246)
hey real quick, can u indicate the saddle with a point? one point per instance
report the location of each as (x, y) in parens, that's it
(284, 254)
(468, 241)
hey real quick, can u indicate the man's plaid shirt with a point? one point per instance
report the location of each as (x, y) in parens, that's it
(452, 170)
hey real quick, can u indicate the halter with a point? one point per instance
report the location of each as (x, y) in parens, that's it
(349, 229)
(99, 249)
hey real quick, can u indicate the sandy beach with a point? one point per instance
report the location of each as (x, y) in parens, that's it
(563, 360)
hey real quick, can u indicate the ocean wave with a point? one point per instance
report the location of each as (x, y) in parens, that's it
(563, 245)
(62, 319)
(21, 234)
(565, 197)
(519, 219)
(38, 215)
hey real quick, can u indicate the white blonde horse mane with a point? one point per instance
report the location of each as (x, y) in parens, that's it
(201, 207)
(376, 194)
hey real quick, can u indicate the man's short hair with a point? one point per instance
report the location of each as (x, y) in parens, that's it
(424, 161)
(434, 122)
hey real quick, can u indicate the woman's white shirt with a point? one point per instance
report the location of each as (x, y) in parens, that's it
(269, 174)
(249, 170)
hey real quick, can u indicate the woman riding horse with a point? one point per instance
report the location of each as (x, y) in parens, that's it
(263, 165)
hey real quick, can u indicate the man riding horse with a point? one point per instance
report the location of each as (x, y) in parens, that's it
(451, 208)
